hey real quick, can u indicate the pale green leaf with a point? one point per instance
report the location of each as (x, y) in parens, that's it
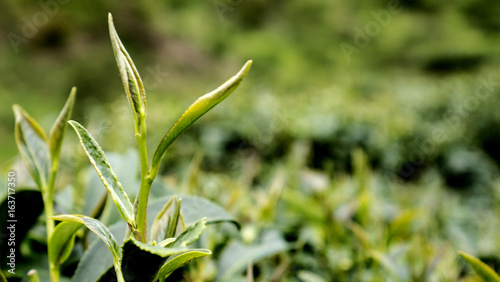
(32, 144)
(165, 223)
(98, 228)
(190, 235)
(97, 259)
(181, 260)
(108, 177)
(57, 132)
(61, 241)
(482, 269)
(130, 76)
(235, 258)
(195, 111)
(166, 242)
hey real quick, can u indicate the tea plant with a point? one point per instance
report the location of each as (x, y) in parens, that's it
(41, 156)
(138, 259)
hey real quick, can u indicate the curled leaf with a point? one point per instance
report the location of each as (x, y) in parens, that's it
(131, 79)
(165, 223)
(32, 144)
(61, 241)
(97, 227)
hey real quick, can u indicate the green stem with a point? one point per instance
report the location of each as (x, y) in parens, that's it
(141, 203)
(48, 199)
(119, 274)
(33, 276)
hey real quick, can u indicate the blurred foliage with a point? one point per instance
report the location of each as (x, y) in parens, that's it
(346, 161)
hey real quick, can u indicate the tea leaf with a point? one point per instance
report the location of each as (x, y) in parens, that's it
(97, 259)
(108, 177)
(141, 261)
(98, 228)
(165, 223)
(32, 144)
(179, 261)
(29, 207)
(236, 256)
(57, 132)
(195, 111)
(61, 241)
(130, 76)
(195, 208)
(191, 234)
(482, 269)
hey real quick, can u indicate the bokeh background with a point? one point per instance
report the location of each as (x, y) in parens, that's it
(366, 135)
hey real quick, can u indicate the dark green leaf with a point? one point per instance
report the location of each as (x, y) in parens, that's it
(141, 261)
(108, 177)
(28, 207)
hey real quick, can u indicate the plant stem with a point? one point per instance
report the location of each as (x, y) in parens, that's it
(141, 205)
(48, 199)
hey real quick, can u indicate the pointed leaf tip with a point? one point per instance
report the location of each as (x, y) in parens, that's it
(200, 107)
(481, 269)
(131, 79)
(56, 134)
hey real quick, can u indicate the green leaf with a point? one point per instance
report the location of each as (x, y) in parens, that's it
(236, 256)
(32, 144)
(179, 261)
(130, 76)
(141, 261)
(482, 269)
(195, 208)
(195, 111)
(166, 242)
(97, 259)
(57, 132)
(190, 235)
(108, 177)
(98, 228)
(166, 222)
(61, 241)
(29, 207)
(2, 277)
